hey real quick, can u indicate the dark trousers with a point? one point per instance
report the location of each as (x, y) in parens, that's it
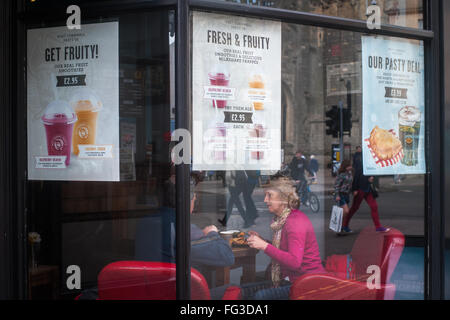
(301, 190)
(234, 200)
(250, 208)
(360, 196)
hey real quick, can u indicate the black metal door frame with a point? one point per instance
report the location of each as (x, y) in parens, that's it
(434, 184)
(22, 18)
(8, 182)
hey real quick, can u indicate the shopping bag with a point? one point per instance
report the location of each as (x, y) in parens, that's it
(336, 219)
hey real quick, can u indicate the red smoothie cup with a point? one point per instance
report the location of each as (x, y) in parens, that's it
(219, 79)
(219, 131)
(58, 120)
(258, 131)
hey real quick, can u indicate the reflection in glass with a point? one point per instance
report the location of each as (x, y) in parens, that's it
(92, 225)
(404, 13)
(321, 68)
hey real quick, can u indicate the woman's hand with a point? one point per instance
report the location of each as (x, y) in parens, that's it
(257, 243)
(254, 233)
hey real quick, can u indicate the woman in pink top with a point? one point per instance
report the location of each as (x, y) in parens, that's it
(294, 249)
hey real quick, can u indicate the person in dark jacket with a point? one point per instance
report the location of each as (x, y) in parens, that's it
(208, 248)
(157, 241)
(362, 190)
(357, 159)
(343, 186)
(314, 166)
(297, 167)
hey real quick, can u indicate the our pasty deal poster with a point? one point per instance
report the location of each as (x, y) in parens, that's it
(236, 84)
(73, 103)
(393, 106)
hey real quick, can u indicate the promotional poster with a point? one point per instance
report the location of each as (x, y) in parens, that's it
(236, 93)
(393, 106)
(73, 103)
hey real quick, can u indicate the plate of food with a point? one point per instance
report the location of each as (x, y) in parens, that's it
(239, 239)
(229, 232)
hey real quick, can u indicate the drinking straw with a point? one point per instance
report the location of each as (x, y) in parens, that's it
(215, 108)
(54, 84)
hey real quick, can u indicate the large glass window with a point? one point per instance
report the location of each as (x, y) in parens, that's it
(96, 227)
(90, 238)
(321, 68)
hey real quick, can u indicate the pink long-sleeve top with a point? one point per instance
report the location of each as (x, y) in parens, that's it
(299, 252)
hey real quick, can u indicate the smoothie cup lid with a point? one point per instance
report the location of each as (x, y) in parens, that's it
(256, 77)
(409, 115)
(59, 111)
(219, 69)
(85, 99)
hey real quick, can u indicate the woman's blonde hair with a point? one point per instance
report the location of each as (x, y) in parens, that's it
(285, 187)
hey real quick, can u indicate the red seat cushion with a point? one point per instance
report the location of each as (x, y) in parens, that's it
(142, 280)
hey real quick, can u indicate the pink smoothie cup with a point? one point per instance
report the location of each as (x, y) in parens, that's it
(220, 131)
(257, 132)
(219, 79)
(58, 120)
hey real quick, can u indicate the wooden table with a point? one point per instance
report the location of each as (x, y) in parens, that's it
(244, 257)
(43, 275)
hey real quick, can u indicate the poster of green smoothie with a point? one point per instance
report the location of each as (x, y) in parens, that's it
(236, 90)
(73, 103)
(393, 123)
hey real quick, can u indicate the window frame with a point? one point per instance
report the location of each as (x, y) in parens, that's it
(434, 234)
(433, 215)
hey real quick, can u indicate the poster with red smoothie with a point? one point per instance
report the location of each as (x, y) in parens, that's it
(236, 86)
(73, 103)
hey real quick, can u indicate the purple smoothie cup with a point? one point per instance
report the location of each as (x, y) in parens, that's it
(58, 120)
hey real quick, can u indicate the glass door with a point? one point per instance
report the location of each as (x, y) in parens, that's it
(100, 186)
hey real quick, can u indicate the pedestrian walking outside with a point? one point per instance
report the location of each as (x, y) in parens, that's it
(357, 159)
(314, 167)
(363, 190)
(250, 208)
(343, 186)
(237, 183)
(297, 167)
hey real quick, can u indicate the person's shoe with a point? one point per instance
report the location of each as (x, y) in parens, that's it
(222, 222)
(383, 229)
(346, 230)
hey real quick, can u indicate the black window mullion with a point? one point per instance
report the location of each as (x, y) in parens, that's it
(6, 145)
(182, 120)
(435, 180)
(445, 52)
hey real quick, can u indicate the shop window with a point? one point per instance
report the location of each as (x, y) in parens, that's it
(91, 215)
(322, 70)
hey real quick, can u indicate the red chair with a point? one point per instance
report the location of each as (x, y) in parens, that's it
(143, 280)
(347, 277)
